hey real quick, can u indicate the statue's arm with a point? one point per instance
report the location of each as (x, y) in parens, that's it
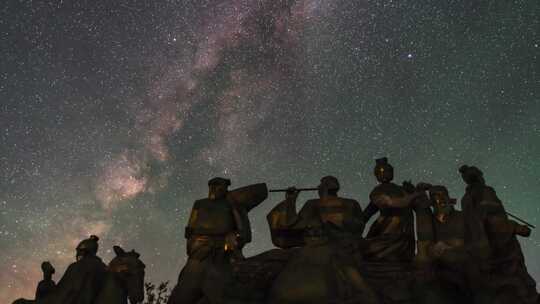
(490, 204)
(192, 220)
(405, 201)
(356, 224)
(285, 224)
(370, 210)
(506, 228)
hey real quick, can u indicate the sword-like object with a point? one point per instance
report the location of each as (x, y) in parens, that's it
(520, 220)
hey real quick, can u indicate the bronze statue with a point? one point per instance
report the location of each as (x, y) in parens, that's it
(47, 285)
(124, 279)
(495, 248)
(390, 249)
(217, 230)
(392, 234)
(87, 281)
(288, 227)
(470, 256)
(448, 253)
(328, 231)
(83, 278)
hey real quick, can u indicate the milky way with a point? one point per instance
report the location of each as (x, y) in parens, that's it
(114, 115)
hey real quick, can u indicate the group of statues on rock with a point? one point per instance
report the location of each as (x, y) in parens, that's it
(90, 281)
(419, 249)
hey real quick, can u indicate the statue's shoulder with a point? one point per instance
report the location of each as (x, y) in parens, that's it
(73, 271)
(488, 190)
(350, 202)
(389, 189)
(200, 202)
(75, 265)
(92, 262)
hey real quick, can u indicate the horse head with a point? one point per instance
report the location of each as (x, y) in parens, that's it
(127, 267)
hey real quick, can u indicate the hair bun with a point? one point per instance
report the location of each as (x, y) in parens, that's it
(94, 238)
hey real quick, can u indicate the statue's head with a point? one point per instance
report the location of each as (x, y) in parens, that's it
(471, 174)
(218, 187)
(442, 204)
(129, 269)
(88, 247)
(383, 171)
(329, 186)
(47, 268)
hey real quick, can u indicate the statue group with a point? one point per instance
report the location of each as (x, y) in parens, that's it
(89, 281)
(419, 249)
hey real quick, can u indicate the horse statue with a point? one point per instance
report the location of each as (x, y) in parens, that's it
(123, 279)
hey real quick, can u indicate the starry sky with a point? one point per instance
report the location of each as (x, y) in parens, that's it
(114, 114)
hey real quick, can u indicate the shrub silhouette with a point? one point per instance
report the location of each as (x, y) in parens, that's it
(156, 294)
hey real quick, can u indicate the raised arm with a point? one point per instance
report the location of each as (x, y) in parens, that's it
(370, 210)
(285, 223)
(356, 224)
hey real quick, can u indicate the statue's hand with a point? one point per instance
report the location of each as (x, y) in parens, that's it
(231, 241)
(420, 200)
(291, 193)
(423, 186)
(408, 186)
(522, 230)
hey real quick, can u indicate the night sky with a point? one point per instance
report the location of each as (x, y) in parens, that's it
(114, 114)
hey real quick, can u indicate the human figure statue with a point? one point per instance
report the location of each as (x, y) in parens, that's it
(449, 256)
(217, 230)
(46, 285)
(83, 278)
(390, 250)
(501, 275)
(289, 227)
(317, 263)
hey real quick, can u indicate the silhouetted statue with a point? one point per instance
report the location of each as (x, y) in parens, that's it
(217, 230)
(329, 232)
(47, 285)
(501, 274)
(84, 277)
(122, 279)
(391, 238)
(289, 228)
(448, 253)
